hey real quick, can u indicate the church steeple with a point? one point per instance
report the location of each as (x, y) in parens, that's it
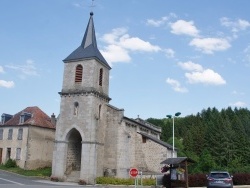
(88, 48)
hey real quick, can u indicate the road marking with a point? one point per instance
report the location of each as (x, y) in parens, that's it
(11, 181)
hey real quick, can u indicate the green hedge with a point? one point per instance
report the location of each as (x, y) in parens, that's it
(124, 181)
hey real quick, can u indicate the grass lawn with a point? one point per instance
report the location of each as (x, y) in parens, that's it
(43, 172)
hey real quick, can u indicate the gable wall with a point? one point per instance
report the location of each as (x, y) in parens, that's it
(40, 147)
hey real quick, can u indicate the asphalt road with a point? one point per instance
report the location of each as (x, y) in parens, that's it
(11, 180)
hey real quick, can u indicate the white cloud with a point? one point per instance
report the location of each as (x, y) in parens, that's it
(136, 44)
(114, 53)
(1, 69)
(163, 20)
(197, 74)
(190, 66)
(157, 23)
(239, 104)
(27, 69)
(7, 84)
(247, 54)
(120, 44)
(238, 93)
(209, 45)
(182, 27)
(112, 37)
(169, 52)
(207, 76)
(176, 86)
(235, 26)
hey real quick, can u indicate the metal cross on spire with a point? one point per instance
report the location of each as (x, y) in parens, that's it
(92, 5)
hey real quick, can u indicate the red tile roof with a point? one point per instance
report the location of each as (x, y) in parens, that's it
(38, 118)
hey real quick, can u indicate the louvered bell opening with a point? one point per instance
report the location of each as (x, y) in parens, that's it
(100, 77)
(78, 74)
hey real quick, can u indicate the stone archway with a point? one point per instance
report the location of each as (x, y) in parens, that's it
(73, 163)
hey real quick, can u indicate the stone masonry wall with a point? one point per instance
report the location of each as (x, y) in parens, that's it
(111, 142)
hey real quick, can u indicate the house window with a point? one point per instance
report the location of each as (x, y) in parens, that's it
(100, 77)
(5, 118)
(1, 134)
(78, 74)
(18, 153)
(8, 154)
(144, 139)
(21, 119)
(20, 134)
(24, 117)
(10, 134)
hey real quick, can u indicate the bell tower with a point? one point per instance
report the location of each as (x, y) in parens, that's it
(85, 91)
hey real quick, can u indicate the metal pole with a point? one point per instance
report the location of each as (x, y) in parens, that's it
(173, 137)
(141, 179)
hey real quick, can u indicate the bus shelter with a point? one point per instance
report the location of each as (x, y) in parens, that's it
(176, 171)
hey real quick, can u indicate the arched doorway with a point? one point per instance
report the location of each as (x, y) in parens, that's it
(74, 152)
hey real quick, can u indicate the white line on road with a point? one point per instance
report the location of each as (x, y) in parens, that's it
(11, 181)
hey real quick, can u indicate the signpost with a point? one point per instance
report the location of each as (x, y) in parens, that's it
(133, 172)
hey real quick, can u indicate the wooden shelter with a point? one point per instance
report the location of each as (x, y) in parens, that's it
(178, 171)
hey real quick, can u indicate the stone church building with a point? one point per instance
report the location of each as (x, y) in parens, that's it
(94, 138)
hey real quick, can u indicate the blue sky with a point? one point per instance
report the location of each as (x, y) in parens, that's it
(166, 56)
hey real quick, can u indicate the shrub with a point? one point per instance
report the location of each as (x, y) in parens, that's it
(241, 179)
(197, 180)
(10, 164)
(124, 181)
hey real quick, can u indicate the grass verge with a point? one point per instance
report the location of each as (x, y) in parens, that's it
(42, 172)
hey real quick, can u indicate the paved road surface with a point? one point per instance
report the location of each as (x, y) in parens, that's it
(11, 180)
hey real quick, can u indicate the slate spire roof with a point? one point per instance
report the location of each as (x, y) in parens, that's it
(88, 48)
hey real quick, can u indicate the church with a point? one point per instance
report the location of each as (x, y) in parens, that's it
(94, 138)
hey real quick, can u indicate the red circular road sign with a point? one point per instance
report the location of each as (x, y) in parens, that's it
(133, 172)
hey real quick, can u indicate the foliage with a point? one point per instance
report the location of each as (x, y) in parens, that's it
(10, 164)
(216, 140)
(124, 181)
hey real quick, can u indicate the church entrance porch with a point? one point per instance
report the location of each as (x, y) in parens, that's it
(73, 163)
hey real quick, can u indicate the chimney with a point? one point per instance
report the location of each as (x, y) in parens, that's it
(53, 119)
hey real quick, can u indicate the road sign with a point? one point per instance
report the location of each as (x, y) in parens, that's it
(133, 172)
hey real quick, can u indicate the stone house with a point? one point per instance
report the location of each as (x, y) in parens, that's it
(28, 138)
(94, 138)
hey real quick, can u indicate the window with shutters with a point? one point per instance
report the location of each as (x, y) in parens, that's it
(78, 74)
(100, 76)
